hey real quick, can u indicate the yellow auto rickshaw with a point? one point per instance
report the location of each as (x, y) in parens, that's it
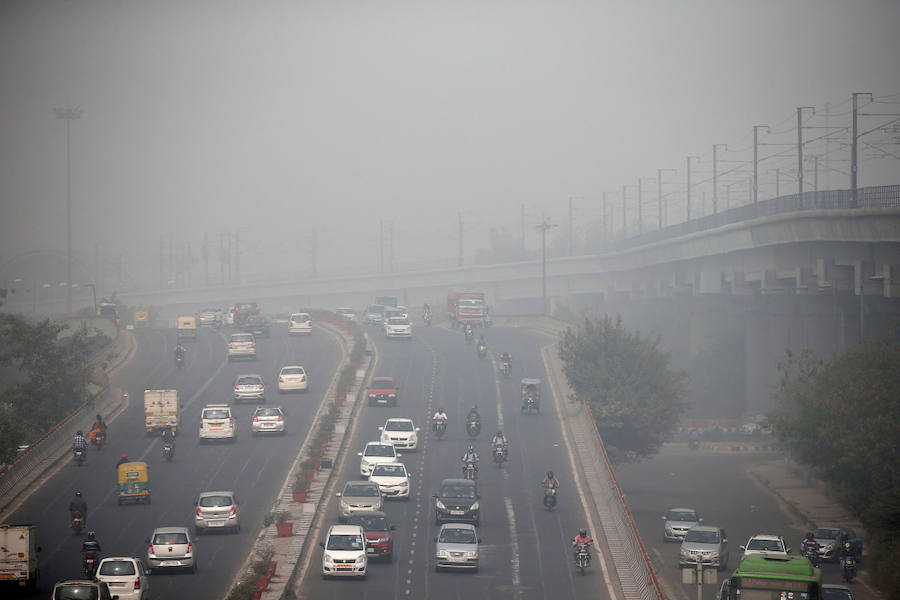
(134, 482)
(141, 319)
(187, 328)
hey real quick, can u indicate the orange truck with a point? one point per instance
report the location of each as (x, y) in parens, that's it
(466, 306)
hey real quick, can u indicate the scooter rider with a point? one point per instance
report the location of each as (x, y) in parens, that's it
(439, 417)
(506, 359)
(499, 439)
(582, 539)
(846, 549)
(179, 351)
(97, 428)
(810, 546)
(470, 457)
(91, 544)
(550, 481)
(122, 460)
(473, 416)
(78, 506)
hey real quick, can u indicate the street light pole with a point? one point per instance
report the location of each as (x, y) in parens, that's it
(543, 227)
(800, 146)
(94, 295)
(854, 165)
(756, 129)
(659, 173)
(69, 114)
(716, 176)
(689, 186)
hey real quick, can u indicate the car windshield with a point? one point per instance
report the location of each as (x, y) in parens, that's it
(267, 412)
(380, 450)
(702, 536)
(344, 311)
(836, 594)
(456, 490)
(292, 371)
(399, 426)
(397, 321)
(215, 414)
(827, 533)
(300, 318)
(175, 537)
(344, 542)
(215, 501)
(765, 545)
(249, 381)
(383, 384)
(361, 490)
(681, 515)
(373, 523)
(389, 471)
(116, 567)
(241, 338)
(375, 309)
(455, 535)
(77, 592)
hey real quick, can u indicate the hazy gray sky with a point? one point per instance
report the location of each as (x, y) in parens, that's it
(276, 117)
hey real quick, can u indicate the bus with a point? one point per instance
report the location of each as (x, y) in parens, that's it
(773, 577)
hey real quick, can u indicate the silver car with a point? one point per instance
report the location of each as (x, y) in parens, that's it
(171, 547)
(268, 419)
(456, 547)
(677, 523)
(249, 387)
(707, 546)
(241, 345)
(217, 510)
(359, 496)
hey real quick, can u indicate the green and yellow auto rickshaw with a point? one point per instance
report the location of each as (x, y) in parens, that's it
(134, 482)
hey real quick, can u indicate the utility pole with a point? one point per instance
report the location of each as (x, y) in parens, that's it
(570, 227)
(314, 252)
(854, 165)
(460, 255)
(800, 146)
(206, 257)
(777, 183)
(716, 176)
(523, 230)
(624, 214)
(603, 216)
(756, 129)
(815, 172)
(543, 227)
(659, 196)
(162, 254)
(69, 114)
(237, 256)
(827, 144)
(640, 204)
(689, 185)
(381, 245)
(391, 247)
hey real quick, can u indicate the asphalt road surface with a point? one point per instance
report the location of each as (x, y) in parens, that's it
(253, 467)
(717, 486)
(525, 550)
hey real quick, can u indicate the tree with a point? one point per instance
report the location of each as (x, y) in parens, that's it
(635, 397)
(53, 372)
(842, 417)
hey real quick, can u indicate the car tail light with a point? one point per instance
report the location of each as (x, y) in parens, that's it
(253, 344)
(280, 379)
(280, 418)
(234, 511)
(303, 378)
(151, 551)
(137, 583)
(256, 418)
(230, 345)
(236, 385)
(190, 545)
(231, 421)
(199, 512)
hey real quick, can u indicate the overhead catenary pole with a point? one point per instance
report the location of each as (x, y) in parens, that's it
(756, 129)
(381, 246)
(460, 257)
(659, 196)
(800, 146)
(543, 227)
(854, 165)
(640, 203)
(69, 114)
(603, 224)
(624, 214)
(571, 229)
(715, 198)
(314, 253)
(688, 190)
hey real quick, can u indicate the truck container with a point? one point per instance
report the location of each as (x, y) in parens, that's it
(161, 410)
(19, 556)
(466, 306)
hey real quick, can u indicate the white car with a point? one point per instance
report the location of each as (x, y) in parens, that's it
(270, 419)
(217, 423)
(345, 552)
(398, 327)
(292, 378)
(171, 547)
(300, 323)
(766, 544)
(375, 453)
(241, 345)
(216, 510)
(403, 311)
(402, 433)
(346, 312)
(208, 317)
(125, 577)
(392, 480)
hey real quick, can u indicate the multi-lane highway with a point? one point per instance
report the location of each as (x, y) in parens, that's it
(253, 467)
(525, 551)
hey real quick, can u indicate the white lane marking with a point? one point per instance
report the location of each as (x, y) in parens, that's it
(551, 375)
(514, 540)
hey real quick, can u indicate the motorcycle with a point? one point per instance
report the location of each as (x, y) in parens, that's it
(89, 564)
(79, 455)
(427, 318)
(77, 523)
(482, 350)
(179, 361)
(549, 498)
(693, 444)
(439, 428)
(470, 335)
(473, 428)
(99, 440)
(505, 369)
(582, 557)
(499, 455)
(849, 569)
(168, 451)
(470, 470)
(811, 554)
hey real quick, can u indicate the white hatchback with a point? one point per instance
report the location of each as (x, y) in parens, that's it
(401, 433)
(345, 552)
(125, 577)
(392, 480)
(375, 453)
(300, 323)
(217, 423)
(292, 378)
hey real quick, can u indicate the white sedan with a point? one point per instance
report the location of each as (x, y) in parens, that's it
(392, 480)
(375, 453)
(293, 378)
(401, 433)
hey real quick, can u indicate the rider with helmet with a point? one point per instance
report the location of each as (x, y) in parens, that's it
(439, 417)
(99, 427)
(473, 414)
(80, 443)
(91, 544)
(550, 481)
(78, 506)
(499, 439)
(122, 460)
(470, 457)
(582, 540)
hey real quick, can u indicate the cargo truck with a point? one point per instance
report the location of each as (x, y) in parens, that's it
(18, 559)
(161, 410)
(465, 306)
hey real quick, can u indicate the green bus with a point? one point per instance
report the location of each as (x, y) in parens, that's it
(773, 577)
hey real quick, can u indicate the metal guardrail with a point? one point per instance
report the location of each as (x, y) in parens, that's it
(884, 196)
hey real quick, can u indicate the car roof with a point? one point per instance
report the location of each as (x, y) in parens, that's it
(404, 419)
(378, 444)
(223, 493)
(705, 528)
(268, 406)
(299, 314)
(360, 481)
(131, 558)
(345, 529)
(79, 582)
(170, 530)
(293, 367)
(249, 375)
(766, 536)
(682, 509)
(458, 526)
(217, 406)
(458, 480)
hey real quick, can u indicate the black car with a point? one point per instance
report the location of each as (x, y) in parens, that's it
(457, 501)
(257, 325)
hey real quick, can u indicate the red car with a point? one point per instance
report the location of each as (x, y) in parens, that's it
(382, 391)
(243, 310)
(379, 533)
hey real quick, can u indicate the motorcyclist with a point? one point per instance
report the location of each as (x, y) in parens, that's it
(550, 481)
(179, 351)
(582, 539)
(80, 443)
(499, 439)
(98, 427)
(78, 506)
(467, 330)
(470, 457)
(439, 417)
(482, 341)
(168, 437)
(91, 544)
(506, 359)
(122, 460)
(473, 415)
(846, 550)
(810, 545)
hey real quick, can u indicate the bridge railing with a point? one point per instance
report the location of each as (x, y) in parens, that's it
(884, 196)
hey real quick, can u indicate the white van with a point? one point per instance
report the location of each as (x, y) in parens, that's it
(345, 552)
